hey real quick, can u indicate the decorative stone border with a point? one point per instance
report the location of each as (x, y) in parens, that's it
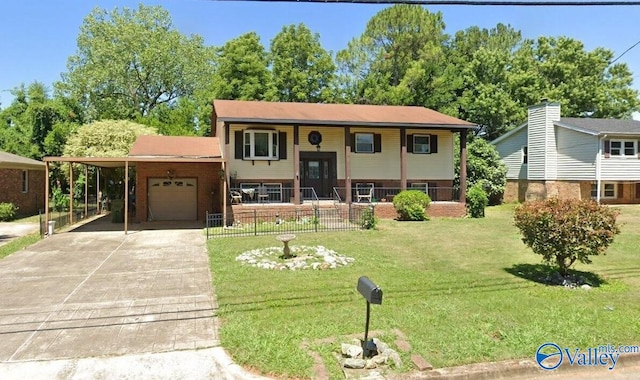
(305, 257)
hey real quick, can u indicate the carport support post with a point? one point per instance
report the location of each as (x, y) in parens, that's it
(71, 194)
(46, 192)
(126, 195)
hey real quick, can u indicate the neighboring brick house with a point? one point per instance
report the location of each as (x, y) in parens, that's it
(582, 158)
(22, 183)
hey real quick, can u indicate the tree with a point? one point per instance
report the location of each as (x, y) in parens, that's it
(302, 70)
(484, 167)
(106, 138)
(399, 59)
(566, 231)
(241, 71)
(130, 61)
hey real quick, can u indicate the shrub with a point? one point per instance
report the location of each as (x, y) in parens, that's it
(566, 231)
(60, 199)
(477, 200)
(8, 212)
(411, 205)
(369, 220)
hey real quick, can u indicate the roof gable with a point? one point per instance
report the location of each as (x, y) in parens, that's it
(175, 146)
(333, 114)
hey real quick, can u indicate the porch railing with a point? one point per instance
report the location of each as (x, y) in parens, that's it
(273, 193)
(386, 194)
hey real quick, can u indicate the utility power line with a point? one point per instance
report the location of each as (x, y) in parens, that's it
(522, 3)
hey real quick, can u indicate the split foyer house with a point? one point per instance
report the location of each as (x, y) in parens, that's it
(583, 158)
(292, 152)
(22, 183)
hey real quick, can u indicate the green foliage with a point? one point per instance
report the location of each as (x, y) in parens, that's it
(566, 231)
(411, 205)
(302, 70)
(477, 201)
(129, 61)
(484, 167)
(59, 199)
(8, 212)
(399, 59)
(242, 70)
(106, 138)
(369, 220)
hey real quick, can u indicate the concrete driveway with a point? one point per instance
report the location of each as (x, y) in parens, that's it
(93, 293)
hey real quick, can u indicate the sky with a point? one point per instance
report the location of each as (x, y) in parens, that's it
(37, 36)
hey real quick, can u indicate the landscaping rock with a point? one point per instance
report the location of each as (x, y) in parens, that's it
(354, 363)
(351, 351)
(586, 287)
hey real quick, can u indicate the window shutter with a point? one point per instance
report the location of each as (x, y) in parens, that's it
(620, 190)
(239, 143)
(377, 143)
(282, 145)
(607, 148)
(353, 142)
(638, 190)
(409, 143)
(433, 141)
(638, 148)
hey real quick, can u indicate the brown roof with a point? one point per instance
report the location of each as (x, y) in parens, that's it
(239, 111)
(175, 146)
(13, 161)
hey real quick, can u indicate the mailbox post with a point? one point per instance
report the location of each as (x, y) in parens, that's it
(372, 294)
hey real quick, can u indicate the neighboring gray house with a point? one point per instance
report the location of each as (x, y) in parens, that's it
(549, 156)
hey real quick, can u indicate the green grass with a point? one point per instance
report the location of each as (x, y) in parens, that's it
(461, 290)
(18, 244)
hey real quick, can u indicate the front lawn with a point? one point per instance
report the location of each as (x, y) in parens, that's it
(461, 290)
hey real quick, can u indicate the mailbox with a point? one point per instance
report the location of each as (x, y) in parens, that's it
(370, 291)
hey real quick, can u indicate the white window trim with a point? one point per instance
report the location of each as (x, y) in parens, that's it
(25, 181)
(622, 143)
(373, 148)
(602, 190)
(428, 144)
(273, 148)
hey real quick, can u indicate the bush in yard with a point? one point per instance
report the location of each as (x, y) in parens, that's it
(369, 219)
(7, 212)
(60, 199)
(477, 200)
(566, 231)
(411, 205)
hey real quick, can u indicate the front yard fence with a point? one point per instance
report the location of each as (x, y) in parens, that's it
(266, 222)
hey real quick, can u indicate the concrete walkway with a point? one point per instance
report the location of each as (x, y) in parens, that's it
(101, 304)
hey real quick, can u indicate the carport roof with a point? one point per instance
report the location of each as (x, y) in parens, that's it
(187, 149)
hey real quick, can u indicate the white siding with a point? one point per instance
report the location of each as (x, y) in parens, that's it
(576, 155)
(431, 166)
(551, 163)
(537, 145)
(510, 150)
(620, 168)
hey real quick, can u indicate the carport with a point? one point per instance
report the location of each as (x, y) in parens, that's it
(178, 176)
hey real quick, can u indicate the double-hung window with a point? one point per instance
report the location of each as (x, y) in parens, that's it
(260, 145)
(25, 181)
(422, 144)
(364, 143)
(608, 190)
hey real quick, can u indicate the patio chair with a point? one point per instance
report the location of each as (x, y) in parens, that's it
(364, 194)
(263, 195)
(236, 196)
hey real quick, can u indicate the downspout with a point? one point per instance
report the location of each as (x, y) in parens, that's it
(599, 167)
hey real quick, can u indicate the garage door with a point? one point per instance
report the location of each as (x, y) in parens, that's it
(173, 199)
